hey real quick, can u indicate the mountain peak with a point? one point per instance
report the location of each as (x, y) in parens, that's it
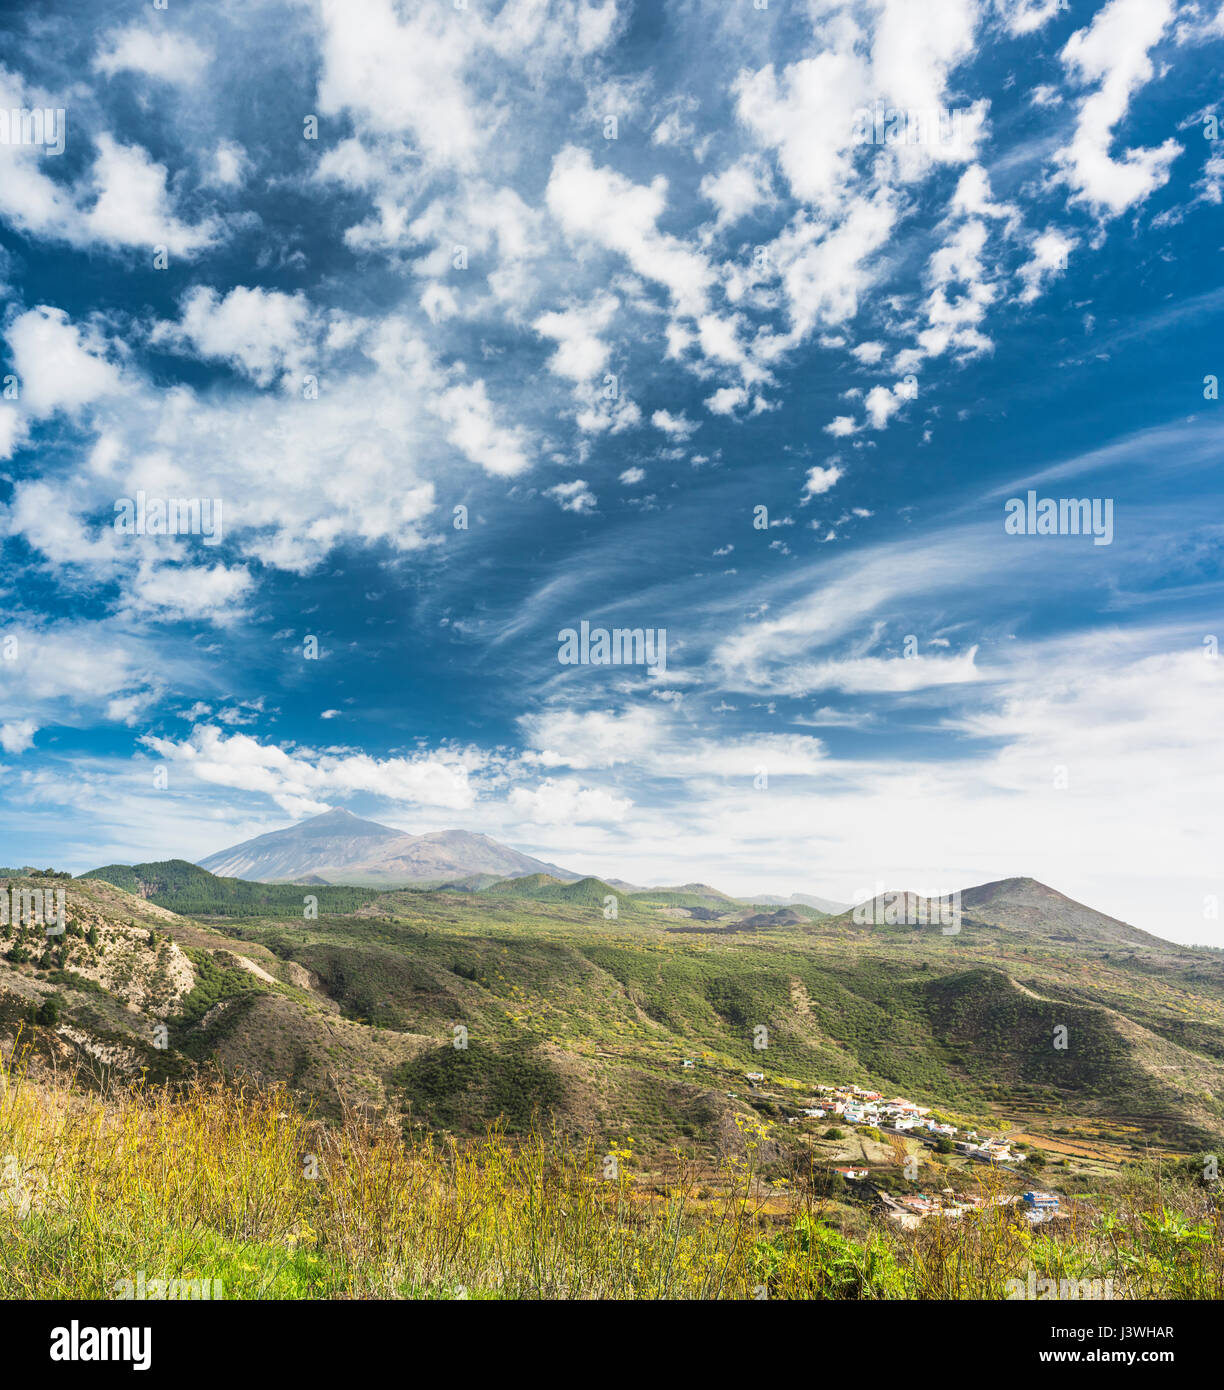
(1027, 905)
(343, 848)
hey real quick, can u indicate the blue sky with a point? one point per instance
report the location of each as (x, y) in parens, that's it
(613, 278)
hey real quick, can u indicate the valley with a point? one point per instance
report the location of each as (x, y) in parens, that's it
(1038, 1016)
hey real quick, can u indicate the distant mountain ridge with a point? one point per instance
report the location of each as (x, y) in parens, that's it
(1015, 905)
(341, 848)
(803, 899)
(1023, 904)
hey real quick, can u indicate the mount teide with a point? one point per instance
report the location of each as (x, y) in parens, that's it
(338, 847)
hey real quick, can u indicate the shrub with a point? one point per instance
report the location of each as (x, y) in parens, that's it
(48, 1012)
(814, 1261)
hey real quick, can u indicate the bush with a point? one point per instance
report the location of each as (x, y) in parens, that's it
(825, 1264)
(834, 1134)
(944, 1146)
(48, 1013)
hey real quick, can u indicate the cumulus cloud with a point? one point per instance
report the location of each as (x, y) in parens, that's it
(132, 206)
(1112, 56)
(594, 738)
(677, 426)
(573, 496)
(821, 478)
(261, 333)
(601, 206)
(581, 351)
(297, 779)
(61, 365)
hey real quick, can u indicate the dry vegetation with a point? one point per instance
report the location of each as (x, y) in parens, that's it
(215, 1181)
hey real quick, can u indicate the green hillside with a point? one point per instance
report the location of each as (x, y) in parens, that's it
(587, 1020)
(588, 892)
(186, 888)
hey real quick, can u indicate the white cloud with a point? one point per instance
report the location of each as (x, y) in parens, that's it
(1211, 185)
(961, 293)
(132, 206)
(677, 426)
(604, 207)
(863, 675)
(85, 672)
(581, 352)
(17, 735)
(230, 165)
(806, 116)
(556, 802)
(498, 449)
(296, 780)
(402, 77)
(1112, 54)
(13, 429)
(261, 333)
(973, 197)
(1049, 259)
(122, 203)
(821, 479)
(362, 455)
(1027, 16)
(824, 273)
(726, 400)
(61, 365)
(882, 403)
(207, 593)
(574, 496)
(741, 188)
(596, 738)
(162, 54)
